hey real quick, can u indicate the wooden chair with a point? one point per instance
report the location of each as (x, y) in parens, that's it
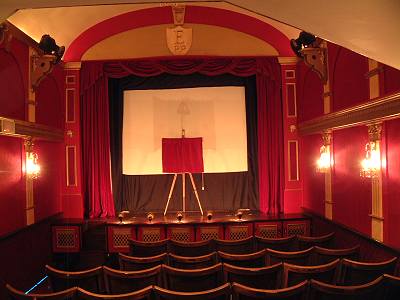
(328, 273)
(197, 280)
(193, 262)
(222, 292)
(391, 286)
(146, 249)
(297, 292)
(305, 242)
(191, 248)
(354, 272)
(260, 278)
(119, 282)
(68, 294)
(132, 263)
(252, 260)
(90, 280)
(302, 258)
(279, 244)
(243, 246)
(325, 255)
(324, 291)
(143, 294)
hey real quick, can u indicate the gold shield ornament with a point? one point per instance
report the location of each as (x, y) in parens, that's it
(179, 40)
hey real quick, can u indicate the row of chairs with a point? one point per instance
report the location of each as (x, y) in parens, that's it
(385, 287)
(248, 245)
(312, 256)
(111, 281)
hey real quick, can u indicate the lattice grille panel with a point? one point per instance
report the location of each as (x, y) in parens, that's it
(121, 237)
(268, 231)
(151, 234)
(180, 234)
(296, 229)
(238, 232)
(208, 233)
(65, 238)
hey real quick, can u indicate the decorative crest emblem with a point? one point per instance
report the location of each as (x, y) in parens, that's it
(179, 39)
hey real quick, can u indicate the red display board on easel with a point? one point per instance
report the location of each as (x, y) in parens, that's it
(182, 155)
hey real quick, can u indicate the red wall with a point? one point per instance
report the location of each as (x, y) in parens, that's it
(347, 69)
(391, 184)
(313, 182)
(351, 194)
(26, 249)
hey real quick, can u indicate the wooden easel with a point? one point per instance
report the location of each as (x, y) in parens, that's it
(183, 189)
(183, 192)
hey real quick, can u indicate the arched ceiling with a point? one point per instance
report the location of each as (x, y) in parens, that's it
(368, 27)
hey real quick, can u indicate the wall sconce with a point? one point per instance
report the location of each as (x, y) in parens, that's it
(324, 162)
(32, 167)
(371, 164)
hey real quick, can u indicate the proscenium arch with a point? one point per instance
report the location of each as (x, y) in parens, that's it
(163, 15)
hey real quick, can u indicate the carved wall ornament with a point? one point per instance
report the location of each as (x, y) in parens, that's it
(327, 137)
(179, 38)
(5, 36)
(41, 66)
(316, 59)
(374, 132)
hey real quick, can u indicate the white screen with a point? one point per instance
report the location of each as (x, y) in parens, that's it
(217, 114)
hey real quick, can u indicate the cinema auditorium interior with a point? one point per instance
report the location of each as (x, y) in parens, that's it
(242, 149)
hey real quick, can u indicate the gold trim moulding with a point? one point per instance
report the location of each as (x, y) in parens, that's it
(376, 217)
(25, 129)
(381, 109)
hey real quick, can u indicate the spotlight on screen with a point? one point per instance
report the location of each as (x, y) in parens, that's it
(49, 47)
(150, 217)
(179, 216)
(239, 214)
(304, 40)
(209, 215)
(120, 217)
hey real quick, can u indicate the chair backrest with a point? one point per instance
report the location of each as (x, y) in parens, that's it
(302, 258)
(143, 294)
(68, 294)
(391, 286)
(132, 263)
(261, 278)
(354, 272)
(90, 280)
(192, 262)
(305, 242)
(328, 273)
(119, 282)
(192, 248)
(251, 260)
(280, 244)
(144, 249)
(222, 292)
(325, 255)
(297, 292)
(324, 291)
(197, 280)
(235, 246)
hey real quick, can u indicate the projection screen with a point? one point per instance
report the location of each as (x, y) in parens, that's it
(217, 114)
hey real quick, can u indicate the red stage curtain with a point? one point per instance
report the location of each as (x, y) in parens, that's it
(182, 155)
(270, 128)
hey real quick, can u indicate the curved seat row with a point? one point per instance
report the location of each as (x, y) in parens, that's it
(248, 245)
(111, 281)
(385, 287)
(311, 256)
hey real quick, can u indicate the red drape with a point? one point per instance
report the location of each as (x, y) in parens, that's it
(95, 120)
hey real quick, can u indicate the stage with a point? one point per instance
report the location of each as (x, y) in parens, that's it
(192, 227)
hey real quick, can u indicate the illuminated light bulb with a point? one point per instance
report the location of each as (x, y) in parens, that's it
(324, 161)
(32, 167)
(371, 164)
